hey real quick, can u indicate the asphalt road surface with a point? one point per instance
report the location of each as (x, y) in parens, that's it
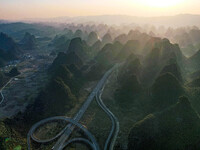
(66, 132)
(1, 91)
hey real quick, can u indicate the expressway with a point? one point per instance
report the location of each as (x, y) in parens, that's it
(66, 132)
(1, 91)
(94, 145)
(110, 142)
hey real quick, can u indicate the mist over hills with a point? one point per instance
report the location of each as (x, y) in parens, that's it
(28, 42)
(174, 21)
(152, 73)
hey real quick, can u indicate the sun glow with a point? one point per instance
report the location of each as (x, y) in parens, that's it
(161, 3)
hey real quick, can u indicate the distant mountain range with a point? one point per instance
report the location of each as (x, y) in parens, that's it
(4, 21)
(175, 21)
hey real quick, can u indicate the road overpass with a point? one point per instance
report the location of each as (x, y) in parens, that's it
(64, 135)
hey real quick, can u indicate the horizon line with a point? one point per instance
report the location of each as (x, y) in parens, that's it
(45, 18)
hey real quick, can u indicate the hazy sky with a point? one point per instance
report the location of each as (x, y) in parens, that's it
(20, 9)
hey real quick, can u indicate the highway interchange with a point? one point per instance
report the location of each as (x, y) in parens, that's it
(63, 136)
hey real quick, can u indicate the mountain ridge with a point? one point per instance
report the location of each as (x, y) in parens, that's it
(121, 19)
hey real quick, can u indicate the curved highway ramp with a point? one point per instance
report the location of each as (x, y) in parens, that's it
(63, 136)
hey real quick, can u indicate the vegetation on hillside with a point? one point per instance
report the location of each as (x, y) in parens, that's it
(176, 127)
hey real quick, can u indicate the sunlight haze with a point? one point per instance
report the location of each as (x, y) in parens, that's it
(20, 9)
(99, 74)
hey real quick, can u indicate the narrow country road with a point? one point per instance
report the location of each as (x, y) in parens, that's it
(1, 91)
